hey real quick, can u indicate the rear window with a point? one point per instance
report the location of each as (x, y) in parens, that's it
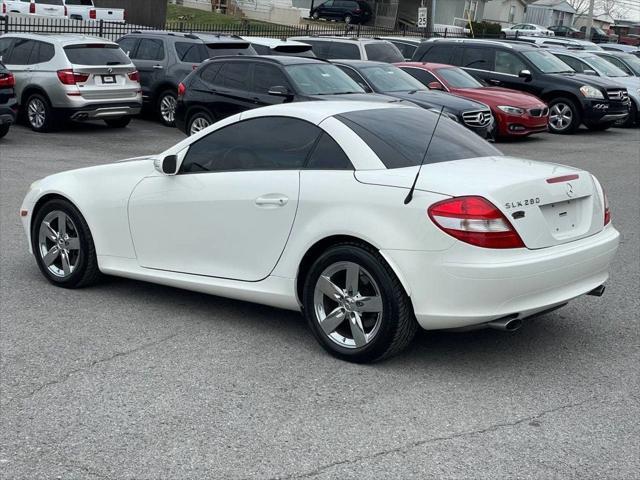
(383, 52)
(191, 52)
(96, 54)
(405, 144)
(84, 3)
(294, 50)
(49, 2)
(228, 48)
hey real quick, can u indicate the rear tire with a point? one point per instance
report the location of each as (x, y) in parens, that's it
(63, 245)
(121, 122)
(564, 116)
(355, 305)
(198, 121)
(4, 129)
(166, 107)
(38, 113)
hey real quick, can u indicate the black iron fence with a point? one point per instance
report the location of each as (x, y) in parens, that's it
(112, 30)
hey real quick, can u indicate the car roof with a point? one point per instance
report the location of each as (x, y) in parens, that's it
(279, 59)
(330, 38)
(360, 63)
(62, 39)
(514, 45)
(274, 42)
(414, 40)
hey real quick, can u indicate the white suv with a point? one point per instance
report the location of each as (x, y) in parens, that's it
(71, 77)
(345, 48)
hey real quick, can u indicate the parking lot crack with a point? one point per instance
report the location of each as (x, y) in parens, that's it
(408, 446)
(66, 376)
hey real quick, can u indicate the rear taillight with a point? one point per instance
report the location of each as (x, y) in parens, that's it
(69, 77)
(4, 8)
(476, 221)
(134, 76)
(92, 14)
(181, 89)
(357, 11)
(607, 212)
(7, 80)
(32, 8)
(66, 12)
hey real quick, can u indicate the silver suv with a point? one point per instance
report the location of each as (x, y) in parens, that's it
(71, 77)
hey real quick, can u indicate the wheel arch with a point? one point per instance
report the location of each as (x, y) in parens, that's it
(30, 90)
(315, 250)
(44, 199)
(553, 94)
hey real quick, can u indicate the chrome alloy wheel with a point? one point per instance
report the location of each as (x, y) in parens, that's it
(560, 116)
(200, 123)
(168, 108)
(348, 304)
(36, 113)
(59, 244)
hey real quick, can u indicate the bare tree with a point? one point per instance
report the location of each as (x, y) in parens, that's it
(613, 8)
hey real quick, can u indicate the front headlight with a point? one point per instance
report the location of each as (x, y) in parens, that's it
(511, 110)
(591, 92)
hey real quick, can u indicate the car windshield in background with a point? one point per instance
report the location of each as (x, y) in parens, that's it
(632, 62)
(547, 62)
(604, 66)
(319, 79)
(226, 48)
(96, 54)
(383, 52)
(406, 143)
(458, 78)
(387, 78)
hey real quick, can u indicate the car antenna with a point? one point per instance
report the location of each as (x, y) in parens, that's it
(424, 157)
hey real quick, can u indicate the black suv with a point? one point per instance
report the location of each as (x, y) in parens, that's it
(573, 98)
(349, 11)
(389, 80)
(164, 59)
(225, 86)
(8, 102)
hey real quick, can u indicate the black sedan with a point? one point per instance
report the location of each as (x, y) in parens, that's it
(386, 79)
(8, 103)
(228, 85)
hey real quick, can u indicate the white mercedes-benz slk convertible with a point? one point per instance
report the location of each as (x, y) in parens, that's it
(310, 206)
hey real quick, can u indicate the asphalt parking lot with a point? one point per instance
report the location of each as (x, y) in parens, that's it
(127, 380)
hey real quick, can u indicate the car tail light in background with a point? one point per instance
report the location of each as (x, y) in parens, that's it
(7, 80)
(32, 8)
(607, 212)
(357, 11)
(69, 77)
(181, 89)
(475, 220)
(4, 8)
(134, 76)
(92, 14)
(66, 12)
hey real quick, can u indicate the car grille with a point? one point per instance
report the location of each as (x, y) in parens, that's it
(477, 118)
(539, 112)
(617, 94)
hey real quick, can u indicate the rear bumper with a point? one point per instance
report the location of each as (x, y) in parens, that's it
(466, 285)
(103, 111)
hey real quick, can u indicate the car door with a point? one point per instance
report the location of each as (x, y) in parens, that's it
(151, 60)
(265, 77)
(507, 66)
(478, 61)
(230, 89)
(229, 211)
(17, 61)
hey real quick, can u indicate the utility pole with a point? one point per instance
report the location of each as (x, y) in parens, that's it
(431, 5)
(587, 34)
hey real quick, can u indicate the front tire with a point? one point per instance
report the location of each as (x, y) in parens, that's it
(39, 113)
(4, 129)
(63, 245)
(121, 122)
(355, 305)
(564, 116)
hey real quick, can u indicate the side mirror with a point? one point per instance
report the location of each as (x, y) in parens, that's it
(435, 86)
(590, 72)
(526, 74)
(280, 91)
(167, 165)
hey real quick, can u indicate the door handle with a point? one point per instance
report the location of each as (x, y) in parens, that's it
(493, 81)
(158, 67)
(272, 201)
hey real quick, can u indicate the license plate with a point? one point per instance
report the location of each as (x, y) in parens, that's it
(108, 79)
(562, 217)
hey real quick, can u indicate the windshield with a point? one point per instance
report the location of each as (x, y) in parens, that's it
(604, 67)
(96, 54)
(399, 136)
(547, 62)
(387, 78)
(632, 62)
(458, 78)
(321, 79)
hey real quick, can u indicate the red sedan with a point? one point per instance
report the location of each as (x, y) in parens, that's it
(516, 113)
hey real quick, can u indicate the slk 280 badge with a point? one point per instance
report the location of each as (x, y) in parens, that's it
(522, 203)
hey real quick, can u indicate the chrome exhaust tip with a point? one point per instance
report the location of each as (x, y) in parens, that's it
(506, 324)
(597, 292)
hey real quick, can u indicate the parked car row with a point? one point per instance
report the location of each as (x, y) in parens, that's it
(71, 9)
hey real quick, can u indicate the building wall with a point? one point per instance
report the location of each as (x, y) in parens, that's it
(497, 11)
(140, 12)
(276, 11)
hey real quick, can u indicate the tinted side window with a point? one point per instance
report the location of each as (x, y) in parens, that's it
(320, 48)
(150, 49)
(481, 58)
(574, 63)
(128, 45)
(191, 52)
(619, 64)
(234, 75)
(209, 72)
(328, 156)
(439, 54)
(42, 52)
(346, 51)
(507, 62)
(422, 76)
(5, 46)
(21, 52)
(267, 76)
(268, 143)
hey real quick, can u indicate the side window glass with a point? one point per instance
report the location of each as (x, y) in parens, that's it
(128, 46)
(150, 49)
(21, 52)
(234, 75)
(345, 51)
(620, 65)
(209, 73)
(267, 143)
(479, 58)
(422, 76)
(42, 52)
(267, 76)
(507, 62)
(438, 54)
(328, 156)
(577, 65)
(5, 46)
(320, 48)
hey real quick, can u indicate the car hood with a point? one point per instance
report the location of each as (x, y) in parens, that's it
(581, 79)
(494, 96)
(431, 98)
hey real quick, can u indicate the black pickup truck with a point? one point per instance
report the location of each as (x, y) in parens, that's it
(573, 99)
